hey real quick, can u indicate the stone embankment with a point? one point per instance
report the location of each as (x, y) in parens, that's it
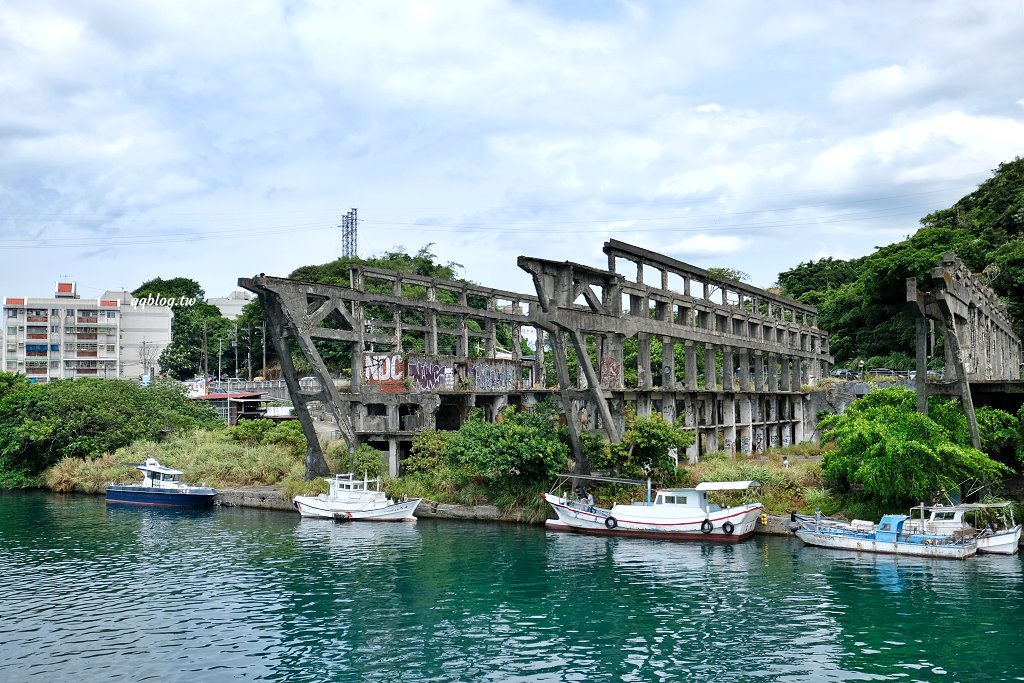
(272, 498)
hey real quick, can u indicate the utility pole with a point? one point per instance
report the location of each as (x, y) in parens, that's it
(220, 344)
(263, 371)
(248, 350)
(234, 343)
(206, 357)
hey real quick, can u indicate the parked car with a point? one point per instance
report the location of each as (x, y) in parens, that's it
(843, 373)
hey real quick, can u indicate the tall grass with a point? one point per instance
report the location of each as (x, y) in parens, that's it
(782, 489)
(205, 457)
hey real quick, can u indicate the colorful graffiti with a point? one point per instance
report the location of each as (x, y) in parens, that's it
(384, 370)
(494, 375)
(430, 375)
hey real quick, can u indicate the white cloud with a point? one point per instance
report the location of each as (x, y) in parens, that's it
(893, 82)
(703, 130)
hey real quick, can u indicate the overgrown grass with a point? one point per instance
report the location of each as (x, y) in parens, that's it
(205, 457)
(782, 489)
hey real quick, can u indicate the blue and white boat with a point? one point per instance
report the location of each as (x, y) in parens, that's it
(160, 487)
(893, 535)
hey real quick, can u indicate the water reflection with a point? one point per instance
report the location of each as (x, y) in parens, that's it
(92, 594)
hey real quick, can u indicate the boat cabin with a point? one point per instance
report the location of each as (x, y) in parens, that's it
(347, 487)
(890, 527)
(697, 497)
(157, 476)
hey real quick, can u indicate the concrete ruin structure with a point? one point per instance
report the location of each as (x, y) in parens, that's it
(648, 334)
(980, 344)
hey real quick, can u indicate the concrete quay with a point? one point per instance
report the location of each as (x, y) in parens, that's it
(272, 498)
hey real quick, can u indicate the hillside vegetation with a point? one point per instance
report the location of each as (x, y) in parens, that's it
(862, 303)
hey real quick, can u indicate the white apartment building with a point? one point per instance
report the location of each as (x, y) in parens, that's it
(231, 305)
(66, 336)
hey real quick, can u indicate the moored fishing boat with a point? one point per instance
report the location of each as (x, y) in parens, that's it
(676, 514)
(993, 523)
(893, 535)
(354, 499)
(160, 487)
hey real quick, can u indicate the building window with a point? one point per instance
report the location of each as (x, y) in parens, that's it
(54, 328)
(54, 311)
(111, 314)
(12, 312)
(71, 311)
(12, 330)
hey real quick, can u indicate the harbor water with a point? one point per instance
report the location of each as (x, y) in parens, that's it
(96, 593)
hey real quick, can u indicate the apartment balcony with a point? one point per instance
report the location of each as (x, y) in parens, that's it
(36, 335)
(35, 371)
(85, 354)
(85, 371)
(87, 320)
(86, 336)
(37, 319)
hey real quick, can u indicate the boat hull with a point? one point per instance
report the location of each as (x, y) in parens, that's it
(1000, 543)
(730, 525)
(155, 497)
(867, 544)
(312, 507)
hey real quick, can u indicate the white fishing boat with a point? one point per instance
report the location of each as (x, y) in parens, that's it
(992, 523)
(893, 535)
(677, 514)
(354, 499)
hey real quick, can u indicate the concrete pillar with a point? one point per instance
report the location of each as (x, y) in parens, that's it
(744, 370)
(430, 345)
(729, 425)
(710, 367)
(393, 457)
(690, 351)
(539, 379)
(759, 371)
(643, 361)
(745, 429)
(668, 361)
(796, 384)
(773, 380)
(728, 375)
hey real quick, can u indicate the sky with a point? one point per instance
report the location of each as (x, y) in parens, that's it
(218, 140)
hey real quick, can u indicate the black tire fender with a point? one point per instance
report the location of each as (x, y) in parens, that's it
(728, 528)
(611, 522)
(706, 526)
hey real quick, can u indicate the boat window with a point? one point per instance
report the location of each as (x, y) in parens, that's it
(885, 527)
(943, 515)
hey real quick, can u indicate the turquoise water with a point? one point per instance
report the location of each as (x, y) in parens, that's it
(89, 593)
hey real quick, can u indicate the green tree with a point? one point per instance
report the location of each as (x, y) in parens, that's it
(42, 423)
(644, 450)
(11, 382)
(889, 453)
(183, 358)
(524, 446)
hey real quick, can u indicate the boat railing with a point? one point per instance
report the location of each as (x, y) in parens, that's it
(584, 507)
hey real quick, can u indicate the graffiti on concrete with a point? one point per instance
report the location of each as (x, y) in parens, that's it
(494, 375)
(384, 371)
(611, 372)
(759, 440)
(427, 374)
(728, 446)
(744, 444)
(774, 439)
(786, 438)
